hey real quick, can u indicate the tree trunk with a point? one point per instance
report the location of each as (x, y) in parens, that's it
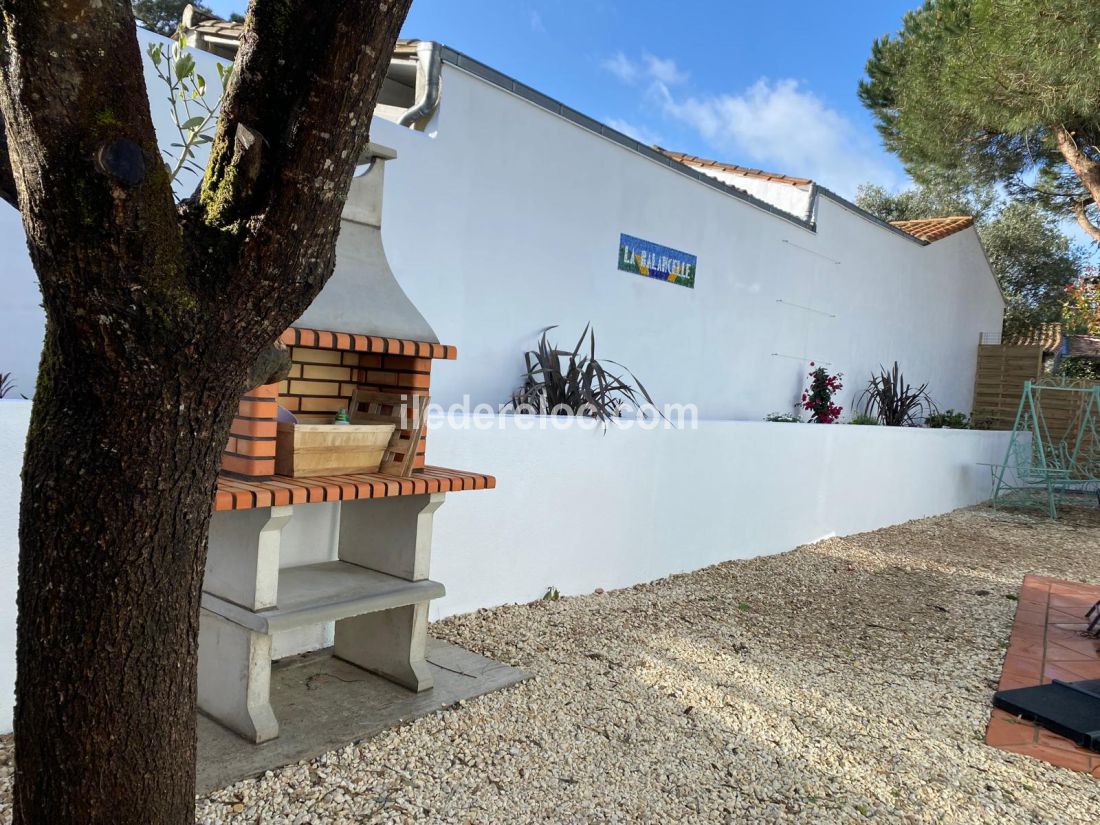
(118, 484)
(156, 316)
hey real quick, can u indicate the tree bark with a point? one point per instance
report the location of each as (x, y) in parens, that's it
(1087, 170)
(156, 318)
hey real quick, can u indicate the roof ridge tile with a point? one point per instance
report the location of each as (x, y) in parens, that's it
(745, 171)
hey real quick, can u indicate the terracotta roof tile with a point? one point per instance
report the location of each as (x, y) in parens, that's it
(200, 22)
(225, 29)
(1084, 346)
(703, 164)
(196, 20)
(933, 229)
(1047, 336)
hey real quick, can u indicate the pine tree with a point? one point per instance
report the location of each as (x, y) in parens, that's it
(163, 16)
(996, 92)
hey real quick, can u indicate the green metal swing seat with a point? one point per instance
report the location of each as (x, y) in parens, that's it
(1053, 456)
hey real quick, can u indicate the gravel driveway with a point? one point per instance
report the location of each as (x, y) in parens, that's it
(841, 682)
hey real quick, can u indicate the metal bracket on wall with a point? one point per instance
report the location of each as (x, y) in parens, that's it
(808, 309)
(805, 358)
(811, 251)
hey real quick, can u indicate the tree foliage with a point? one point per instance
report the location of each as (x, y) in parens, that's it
(996, 92)
(934, 200)
(193, 115)
(163, 16)
(1081, 315)
(1032, 258)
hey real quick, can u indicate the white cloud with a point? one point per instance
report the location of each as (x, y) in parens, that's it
(663, 71)
(536, 21)
(778, 125)
(783, 127)
(622, 67)
(642, 134)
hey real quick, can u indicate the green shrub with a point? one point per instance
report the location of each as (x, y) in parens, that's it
(864, 419)
(1080, 368)
(948, 420)
(786, 418)
(983, 422)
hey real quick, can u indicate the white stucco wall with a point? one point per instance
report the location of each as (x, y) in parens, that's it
(579, 509)
(15, 416)
(504, 218)
(22, 322)
(515, 227)
(615, 509)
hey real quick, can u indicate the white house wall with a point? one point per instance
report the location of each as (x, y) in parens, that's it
(22, 320)
(505, 218)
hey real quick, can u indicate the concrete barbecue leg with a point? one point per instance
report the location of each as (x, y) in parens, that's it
(235, 677)
(242, 564)
(392, 536)
(235, 662)
(391, 643)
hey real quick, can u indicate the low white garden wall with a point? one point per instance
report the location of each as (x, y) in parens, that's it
(15, 416)
(579, 509)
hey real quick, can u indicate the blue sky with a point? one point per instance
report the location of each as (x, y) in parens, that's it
(771, 85)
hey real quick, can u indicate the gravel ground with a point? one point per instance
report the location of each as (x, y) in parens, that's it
(841, 682)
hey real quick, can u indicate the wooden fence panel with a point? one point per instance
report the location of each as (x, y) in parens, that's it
(999, 381)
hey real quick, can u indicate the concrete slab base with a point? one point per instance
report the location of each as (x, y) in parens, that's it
(324, 703)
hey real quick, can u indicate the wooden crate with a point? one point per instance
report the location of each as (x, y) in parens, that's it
(309, 449)
(409, 416)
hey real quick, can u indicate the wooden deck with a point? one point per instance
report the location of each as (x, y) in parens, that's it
(239, 494)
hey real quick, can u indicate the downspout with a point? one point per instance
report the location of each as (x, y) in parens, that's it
(429, 65)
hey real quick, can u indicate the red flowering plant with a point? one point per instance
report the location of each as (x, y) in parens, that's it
(818, 397)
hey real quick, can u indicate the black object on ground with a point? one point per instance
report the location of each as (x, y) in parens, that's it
(1094, 615)
(1069, 709)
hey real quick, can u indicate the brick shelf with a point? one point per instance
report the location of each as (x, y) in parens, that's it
(326, 369)
(1047, 644)
(347, 342)
(239, 494)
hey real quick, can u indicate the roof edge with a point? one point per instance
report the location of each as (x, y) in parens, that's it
(490, 75)
(934, 229)
(736, 169)
(509, 84)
